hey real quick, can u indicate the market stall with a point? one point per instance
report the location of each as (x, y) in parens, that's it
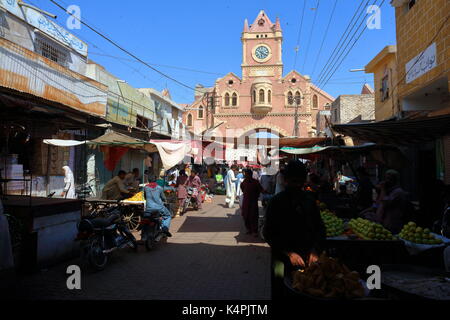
(43, 223)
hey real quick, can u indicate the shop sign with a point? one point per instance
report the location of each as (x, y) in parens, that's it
(39, 21)
(421, 64)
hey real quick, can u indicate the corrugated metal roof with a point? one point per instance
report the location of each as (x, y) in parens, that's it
(28, 72)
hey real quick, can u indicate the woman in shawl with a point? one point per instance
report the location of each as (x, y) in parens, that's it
(69, 184)
(181, 188)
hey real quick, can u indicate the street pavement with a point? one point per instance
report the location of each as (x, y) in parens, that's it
(209, 257)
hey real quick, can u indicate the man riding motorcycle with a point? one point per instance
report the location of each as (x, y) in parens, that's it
(155, 198)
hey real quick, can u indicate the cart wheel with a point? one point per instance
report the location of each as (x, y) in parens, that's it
(132, 220)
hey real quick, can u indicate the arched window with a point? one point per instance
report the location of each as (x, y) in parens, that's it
(189, 120)
(290, 98)
(269, 96)
(254, 96)
(227, 99)
(261, 96)
(234, 100)
(200, 112)
(298, 98)
(315, 102)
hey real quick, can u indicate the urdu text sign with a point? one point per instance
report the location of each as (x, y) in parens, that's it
(421, 64)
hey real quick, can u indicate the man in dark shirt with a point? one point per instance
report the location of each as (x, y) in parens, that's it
(293, 226)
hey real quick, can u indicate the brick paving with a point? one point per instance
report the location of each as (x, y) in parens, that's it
(209, 257)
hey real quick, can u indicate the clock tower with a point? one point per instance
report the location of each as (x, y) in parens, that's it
(262, 49)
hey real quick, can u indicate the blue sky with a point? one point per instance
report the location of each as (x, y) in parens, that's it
(204, 36)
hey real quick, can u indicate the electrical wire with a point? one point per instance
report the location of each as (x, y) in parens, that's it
(157, 65)
(123, 49)
(340, 40)
(344, 43)
(336, 67)
(324, 37)
(311, 34)
(423, 52)
(299, 34)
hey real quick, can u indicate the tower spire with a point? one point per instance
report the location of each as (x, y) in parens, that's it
(277, 25)
(246, 28)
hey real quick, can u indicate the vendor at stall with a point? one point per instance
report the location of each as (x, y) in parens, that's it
(394, 207)
(293, 227)
(133, 179)
(115, 188)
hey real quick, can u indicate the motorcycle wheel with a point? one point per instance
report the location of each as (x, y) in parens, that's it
(134, 244)
(185, 206)
(97, 259)
(132, 219)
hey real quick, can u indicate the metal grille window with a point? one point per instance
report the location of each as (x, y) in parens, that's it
(51, 52)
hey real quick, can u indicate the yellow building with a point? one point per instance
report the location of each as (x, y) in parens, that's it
(423, 54)
(423, 58)
(384, 68)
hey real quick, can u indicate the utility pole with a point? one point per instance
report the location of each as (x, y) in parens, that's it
(296, 115)
(296, 119)
(209, 104)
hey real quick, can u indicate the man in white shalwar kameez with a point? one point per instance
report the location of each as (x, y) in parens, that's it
(231, 186)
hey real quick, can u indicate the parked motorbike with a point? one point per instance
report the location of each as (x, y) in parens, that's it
(99, 237)
(151, 229)
(85, 190)
(204, 191)
(191, 199)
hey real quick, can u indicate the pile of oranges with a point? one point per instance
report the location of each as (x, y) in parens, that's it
(137, 197)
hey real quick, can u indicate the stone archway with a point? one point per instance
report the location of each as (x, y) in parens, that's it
(266, 126)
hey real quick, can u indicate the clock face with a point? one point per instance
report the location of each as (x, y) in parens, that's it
(262, 52)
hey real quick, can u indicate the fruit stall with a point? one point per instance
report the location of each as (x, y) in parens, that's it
(360, 242)
(135, 207)
(354, 244)
(328, 278)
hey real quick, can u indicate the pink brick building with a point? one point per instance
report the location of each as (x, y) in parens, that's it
(264, 98)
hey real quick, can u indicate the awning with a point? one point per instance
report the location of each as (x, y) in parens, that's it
(400, 132)
(299, 151)
(172, 152)
(63, 143)
(387, 154)
(301, 142)
(339, 149)
(114, 139)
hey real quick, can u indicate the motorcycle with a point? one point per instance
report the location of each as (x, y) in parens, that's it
(191, 199)
(99, 237)
(151, 229)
